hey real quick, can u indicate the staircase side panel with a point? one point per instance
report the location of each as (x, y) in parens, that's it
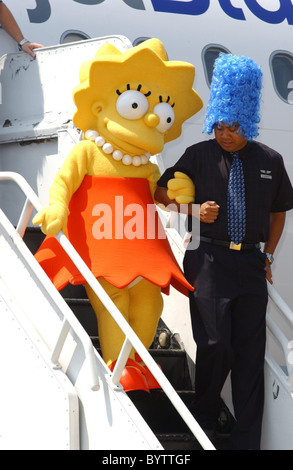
(38, 405)
(278, 410)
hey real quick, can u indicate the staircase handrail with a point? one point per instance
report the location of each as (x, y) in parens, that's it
(278, 334)
(132, 340)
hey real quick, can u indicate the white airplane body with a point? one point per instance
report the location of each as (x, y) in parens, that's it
(191, 30)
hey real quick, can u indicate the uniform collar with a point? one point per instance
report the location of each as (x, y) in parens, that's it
(243, 153)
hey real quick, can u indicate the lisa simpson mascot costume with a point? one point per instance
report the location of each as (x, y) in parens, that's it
(128, 105)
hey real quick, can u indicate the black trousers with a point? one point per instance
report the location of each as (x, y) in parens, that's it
(228, 310)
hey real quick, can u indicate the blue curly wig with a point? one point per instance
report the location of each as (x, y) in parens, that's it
(235, 95)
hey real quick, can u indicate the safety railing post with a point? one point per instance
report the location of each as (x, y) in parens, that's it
(121, 361)
(60, 343)
(24, 217)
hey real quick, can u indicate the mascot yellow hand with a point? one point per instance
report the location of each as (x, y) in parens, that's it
(181, 188)
(52, 219)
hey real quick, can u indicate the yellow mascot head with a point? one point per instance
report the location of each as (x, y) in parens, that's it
(138, 99)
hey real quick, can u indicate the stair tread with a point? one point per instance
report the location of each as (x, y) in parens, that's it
(177, 435)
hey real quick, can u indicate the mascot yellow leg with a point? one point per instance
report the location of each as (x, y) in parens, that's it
(141, 305)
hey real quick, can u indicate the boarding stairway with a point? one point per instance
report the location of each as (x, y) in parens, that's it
(75, 391)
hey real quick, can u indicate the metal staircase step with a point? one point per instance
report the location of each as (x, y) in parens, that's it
(33, 238)
(182, 441)
(178, 441)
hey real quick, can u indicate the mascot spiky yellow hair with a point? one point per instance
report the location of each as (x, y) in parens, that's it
(128, 105)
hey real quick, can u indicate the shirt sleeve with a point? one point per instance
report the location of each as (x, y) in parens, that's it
(184, 164)
(283, 194)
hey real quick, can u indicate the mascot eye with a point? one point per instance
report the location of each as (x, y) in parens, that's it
(166, 115)
(132, 104)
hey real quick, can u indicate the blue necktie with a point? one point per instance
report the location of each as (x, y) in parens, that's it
(236, 201)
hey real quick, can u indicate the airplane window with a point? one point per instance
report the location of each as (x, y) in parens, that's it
(281, 64)
(139, 40)
(73, 36)
(209, 55)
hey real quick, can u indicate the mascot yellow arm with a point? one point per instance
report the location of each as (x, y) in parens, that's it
(181, 188)
(68, 179)
(155, 176)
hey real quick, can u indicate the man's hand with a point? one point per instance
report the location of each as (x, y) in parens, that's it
(268, 271)
(29, 47)
(209, 212)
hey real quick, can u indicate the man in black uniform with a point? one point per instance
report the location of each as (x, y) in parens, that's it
(228, 270)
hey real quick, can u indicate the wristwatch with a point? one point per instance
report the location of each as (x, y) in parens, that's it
(21, 43)
(270, 257)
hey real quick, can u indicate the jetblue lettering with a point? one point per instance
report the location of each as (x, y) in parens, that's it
(234, 12)
(198, 7)
(137, 4)
(89, 2)
(195, 7)
(42, 12)
(285, 12)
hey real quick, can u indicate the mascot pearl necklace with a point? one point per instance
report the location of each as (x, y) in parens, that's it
(107, 148)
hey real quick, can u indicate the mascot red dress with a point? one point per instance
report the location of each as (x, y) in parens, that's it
(128, 105)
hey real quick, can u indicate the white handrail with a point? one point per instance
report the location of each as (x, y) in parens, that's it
(278, 334)
(280, 303)
(131, 337)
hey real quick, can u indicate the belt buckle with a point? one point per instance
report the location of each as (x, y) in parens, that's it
(234, 246)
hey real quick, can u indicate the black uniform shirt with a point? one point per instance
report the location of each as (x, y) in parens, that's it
(267, 185)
